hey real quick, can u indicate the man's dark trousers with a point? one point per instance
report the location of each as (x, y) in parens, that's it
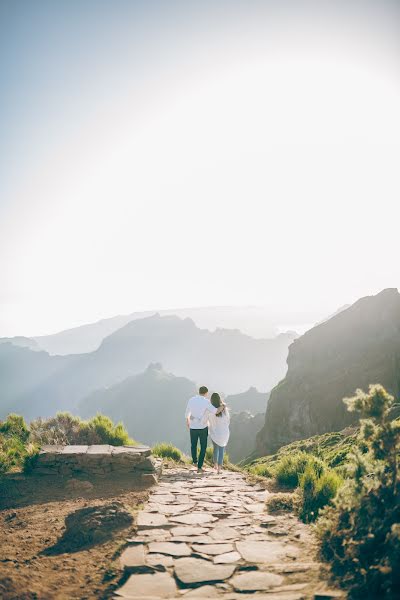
(195, 436)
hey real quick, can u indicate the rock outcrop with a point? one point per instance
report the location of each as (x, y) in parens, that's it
(97, 460)
(357, 347)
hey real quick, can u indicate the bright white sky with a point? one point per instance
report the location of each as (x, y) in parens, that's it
(227, 154)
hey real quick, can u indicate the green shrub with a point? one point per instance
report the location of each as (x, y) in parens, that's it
(101, 429)
(360, 533)
(165, 450)
(30, 458)
(332, 448)
(291, 467)
(13, 435)
(14, 426)
(12, 451)
(282, 501)
(316, 492)
(19, 445)
(65, 428)
(261, 470)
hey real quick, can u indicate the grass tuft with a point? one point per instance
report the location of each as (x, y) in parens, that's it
(165, 450)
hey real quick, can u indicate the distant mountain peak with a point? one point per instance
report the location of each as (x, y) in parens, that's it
(155, 367)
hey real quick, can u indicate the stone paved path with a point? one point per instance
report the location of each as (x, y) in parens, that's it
(209, 536)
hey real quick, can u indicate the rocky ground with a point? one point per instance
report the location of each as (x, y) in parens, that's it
(210, 537)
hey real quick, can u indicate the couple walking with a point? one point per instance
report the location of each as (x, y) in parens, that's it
(205, 417)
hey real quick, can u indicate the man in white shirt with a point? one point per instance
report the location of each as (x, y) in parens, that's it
(197, 411)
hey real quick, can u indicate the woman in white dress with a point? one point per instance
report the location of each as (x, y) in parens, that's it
(219, 431)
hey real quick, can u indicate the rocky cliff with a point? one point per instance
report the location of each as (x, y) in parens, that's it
(357, 347)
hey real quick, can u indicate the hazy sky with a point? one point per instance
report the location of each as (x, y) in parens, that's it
(171, 154)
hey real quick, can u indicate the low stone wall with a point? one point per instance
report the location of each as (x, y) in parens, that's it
(99, 460)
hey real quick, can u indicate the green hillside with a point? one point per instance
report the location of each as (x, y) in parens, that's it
(333, 448)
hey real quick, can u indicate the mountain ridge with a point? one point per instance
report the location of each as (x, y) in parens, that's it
(355, 348)
(226, 360)
(252, 321)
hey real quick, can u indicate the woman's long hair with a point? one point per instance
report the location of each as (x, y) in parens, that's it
(216, 402)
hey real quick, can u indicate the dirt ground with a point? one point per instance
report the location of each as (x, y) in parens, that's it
(32, 513)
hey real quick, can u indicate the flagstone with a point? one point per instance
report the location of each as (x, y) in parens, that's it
(195, 539)
(256, 537)
(297, 567)
(264, 552)
(258, 495)
(213, 548)
(252, 529)
(223, 532)
(148, 520)
(163, 498)
(159, 560)
(278, 531)
(148, 585)
(266, 521)
(171, 548)
(191, 571)
(237, 522)
(75, 449)
(193, 519)
(255, 508)
(227, 558)
(133, 556)
(187, 530)
(152, 535)
(211, 505)
(183, 497)
(170, 509)
(254, 581)
(205, 591)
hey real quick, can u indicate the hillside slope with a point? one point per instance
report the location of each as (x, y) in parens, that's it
(353, 349)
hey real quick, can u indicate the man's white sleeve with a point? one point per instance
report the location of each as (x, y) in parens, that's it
(212, 409)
